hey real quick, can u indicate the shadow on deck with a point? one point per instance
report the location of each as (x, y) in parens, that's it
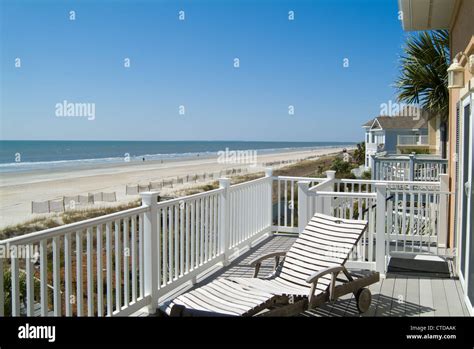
(395, 295)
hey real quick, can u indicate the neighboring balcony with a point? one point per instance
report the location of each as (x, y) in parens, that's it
(375, 147)
(413, 141)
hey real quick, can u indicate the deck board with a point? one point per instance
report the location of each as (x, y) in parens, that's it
(452, 298)
(440, 303)
(426, 298)
(461, 295)
(399, 296)
(385, 299)
(422, 296)
(412, 298)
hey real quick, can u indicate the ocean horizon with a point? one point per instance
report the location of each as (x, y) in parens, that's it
(32, 155)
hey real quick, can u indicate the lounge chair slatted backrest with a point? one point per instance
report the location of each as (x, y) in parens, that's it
(309, 270)
(325, 242)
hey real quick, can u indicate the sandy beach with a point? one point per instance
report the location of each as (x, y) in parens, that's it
(18, 190)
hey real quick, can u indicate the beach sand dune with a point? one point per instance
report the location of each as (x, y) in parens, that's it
(18, 190)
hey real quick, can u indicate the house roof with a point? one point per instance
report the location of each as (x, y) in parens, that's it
(426, 14)
(398, 122)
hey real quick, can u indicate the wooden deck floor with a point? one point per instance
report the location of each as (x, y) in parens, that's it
(396, 295)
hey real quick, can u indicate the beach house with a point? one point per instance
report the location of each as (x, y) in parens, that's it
(395, 135)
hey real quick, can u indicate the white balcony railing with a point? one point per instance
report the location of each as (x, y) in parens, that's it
(412, 140)
(374, 147)
(135, 258)
(408, 168)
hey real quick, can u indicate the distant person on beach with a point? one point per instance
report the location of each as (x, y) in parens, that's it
(143, 158)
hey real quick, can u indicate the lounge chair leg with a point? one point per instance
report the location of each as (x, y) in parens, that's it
(363, 298)
(177, 310)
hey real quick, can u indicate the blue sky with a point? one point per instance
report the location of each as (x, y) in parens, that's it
(190, 63)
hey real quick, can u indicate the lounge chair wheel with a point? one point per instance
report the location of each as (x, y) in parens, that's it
(363, 298)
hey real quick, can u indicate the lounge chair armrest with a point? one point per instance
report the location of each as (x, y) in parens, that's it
(313, 279)
(331, 270)
(260, 259)
(257, 262)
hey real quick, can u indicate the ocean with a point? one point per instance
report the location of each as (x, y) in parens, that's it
(33, 155)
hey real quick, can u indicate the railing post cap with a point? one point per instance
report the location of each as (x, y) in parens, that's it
(149, 197)
(268, 172)
(380, 185)
(304, 183)
(331, 174)
(224, 182)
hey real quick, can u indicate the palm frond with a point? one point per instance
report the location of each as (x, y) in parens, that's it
(423, 72)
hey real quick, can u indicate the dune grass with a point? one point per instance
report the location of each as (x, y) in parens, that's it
(306, 168)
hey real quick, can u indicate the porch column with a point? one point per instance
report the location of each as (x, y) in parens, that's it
(224, 224)
(443, 211)
(151, 253)
(269, 176)
(412, 167)
(303, 187)
(380, 248)
(326, 201)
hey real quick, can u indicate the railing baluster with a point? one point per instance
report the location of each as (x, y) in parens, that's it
(30, 286)
(187, 246)
(134, 258)
(79, 273)
(286, 204)
(216, 242)
(44, 277)
(68, 275)
(15, 282)
(193, 235)
(176, 242)
(211, 226)
(201, 231)
(181, 242)
(126, 263)
(279, 203)
(56, 277)
(118, 270)
(108, 250)
(90, 275)
(100, 291)
(206, 228)
(141, 259)
(170, 243)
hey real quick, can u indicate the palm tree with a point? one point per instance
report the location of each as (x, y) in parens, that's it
(423, 75)
(359, 153)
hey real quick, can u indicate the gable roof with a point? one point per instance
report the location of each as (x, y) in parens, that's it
(398, 122)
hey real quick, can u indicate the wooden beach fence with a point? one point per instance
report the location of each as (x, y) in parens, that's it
(136, 189)
(71, 202)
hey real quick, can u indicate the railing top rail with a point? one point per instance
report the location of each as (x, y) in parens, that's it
(443, 161)
(403, 158)
(189, 197)
(375, 181)
(343, 194)
(311, 179)
(247, 183)
(68, 228)
(322, 184)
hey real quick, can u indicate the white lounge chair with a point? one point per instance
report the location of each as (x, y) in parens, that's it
(306, 278)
